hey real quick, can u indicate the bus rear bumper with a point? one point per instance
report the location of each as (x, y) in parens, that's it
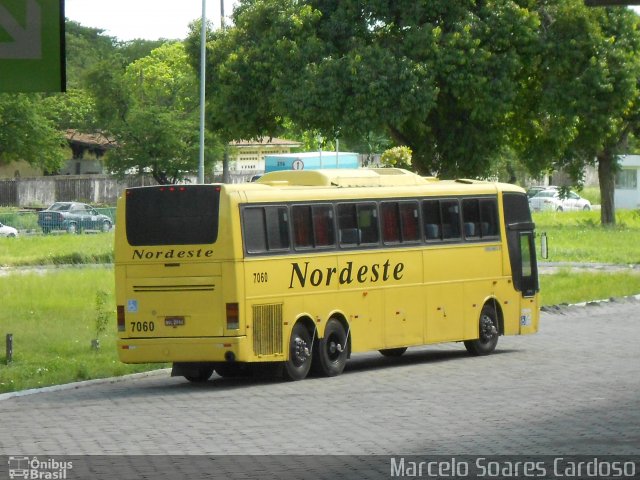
(161, 350)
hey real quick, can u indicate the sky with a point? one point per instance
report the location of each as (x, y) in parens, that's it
(148, 19)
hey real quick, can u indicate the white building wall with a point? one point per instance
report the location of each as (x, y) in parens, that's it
(628, 195)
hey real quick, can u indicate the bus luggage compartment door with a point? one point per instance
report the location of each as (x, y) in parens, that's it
(173, 307)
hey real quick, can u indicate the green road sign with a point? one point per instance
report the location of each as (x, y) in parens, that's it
(32, 46)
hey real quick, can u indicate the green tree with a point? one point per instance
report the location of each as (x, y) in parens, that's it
(27, 133)
(440, 77)
(583, 101)
(150, 107)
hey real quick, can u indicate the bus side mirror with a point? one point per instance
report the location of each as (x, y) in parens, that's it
(544, 246)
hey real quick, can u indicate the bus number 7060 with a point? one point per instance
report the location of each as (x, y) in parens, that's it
(142, 326)
(260, 277)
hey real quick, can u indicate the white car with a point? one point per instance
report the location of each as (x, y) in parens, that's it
(553, 200)
(7, 231)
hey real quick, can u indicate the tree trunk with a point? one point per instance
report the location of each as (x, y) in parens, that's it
(607, 178)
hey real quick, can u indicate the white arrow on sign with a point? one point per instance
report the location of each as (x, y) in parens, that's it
(27, 41)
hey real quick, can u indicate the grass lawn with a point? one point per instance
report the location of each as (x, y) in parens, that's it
(53, 317)
(578, 237)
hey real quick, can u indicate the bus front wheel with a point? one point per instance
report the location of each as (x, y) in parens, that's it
(332, 352)
(487, 333)
(299, 362)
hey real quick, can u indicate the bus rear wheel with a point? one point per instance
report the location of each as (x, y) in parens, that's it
(299, 362)
(199, 374)
(231, 370)
(487, 333)
(393, 352)
(332, 352)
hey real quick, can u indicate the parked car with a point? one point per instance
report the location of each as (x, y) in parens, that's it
(72, 217)
(7, 231)
(532, 191)
(552, 199)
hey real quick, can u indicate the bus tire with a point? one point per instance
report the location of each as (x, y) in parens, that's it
(299, 362)
(332, 350)
(200, 374)
(488, 333)
(231, 370)
(393, 352)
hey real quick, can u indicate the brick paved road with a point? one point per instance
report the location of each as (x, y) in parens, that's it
(572, 388)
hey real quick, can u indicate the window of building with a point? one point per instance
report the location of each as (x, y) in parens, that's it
(627, 179)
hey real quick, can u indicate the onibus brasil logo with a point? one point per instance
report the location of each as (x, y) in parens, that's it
(34, 468)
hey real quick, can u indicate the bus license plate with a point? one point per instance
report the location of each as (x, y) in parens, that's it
(174, 322)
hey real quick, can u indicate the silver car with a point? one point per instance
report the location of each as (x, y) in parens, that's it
(554, 200)
(7, 231)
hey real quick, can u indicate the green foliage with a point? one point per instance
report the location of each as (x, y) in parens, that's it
(51, 316)
(27, 133)
(399, 157)
(151, 108)
(74, 109)
(103, 314)
(582, 101)
(575, 286)
(85, 48)
(579, 237)
(439, 77)
(57, 249)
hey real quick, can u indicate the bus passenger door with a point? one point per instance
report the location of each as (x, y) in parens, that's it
(524, 271)
(445, 318)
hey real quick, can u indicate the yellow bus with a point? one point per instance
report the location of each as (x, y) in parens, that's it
(303, 268)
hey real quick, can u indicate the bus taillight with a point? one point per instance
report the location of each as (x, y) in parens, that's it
(233, 316)
(120, 312)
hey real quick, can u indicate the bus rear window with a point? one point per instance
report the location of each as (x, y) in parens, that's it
(172, 215)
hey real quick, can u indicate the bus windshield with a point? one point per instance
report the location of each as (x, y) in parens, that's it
(172, 215)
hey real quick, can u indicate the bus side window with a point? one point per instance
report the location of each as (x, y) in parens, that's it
(431, 218)
(368, 222)
(348, 224)
(471, 217)
(409, 221)
(277, 228)
(390, 222)
(450, 213)
(302, 226)
(489, 218)
(254, 229)
(323, 229)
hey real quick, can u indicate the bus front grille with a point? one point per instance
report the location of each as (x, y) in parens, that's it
(267, 329)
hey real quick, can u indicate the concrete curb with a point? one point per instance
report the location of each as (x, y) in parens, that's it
(84, 383)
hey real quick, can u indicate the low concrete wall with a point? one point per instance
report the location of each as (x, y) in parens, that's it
(43, 191)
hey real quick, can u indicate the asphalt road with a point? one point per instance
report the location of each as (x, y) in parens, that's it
(571, 389)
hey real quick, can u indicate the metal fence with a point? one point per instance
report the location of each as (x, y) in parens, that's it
(26, 221)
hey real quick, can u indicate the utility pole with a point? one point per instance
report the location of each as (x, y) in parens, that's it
(203, 56)
(225, 159)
